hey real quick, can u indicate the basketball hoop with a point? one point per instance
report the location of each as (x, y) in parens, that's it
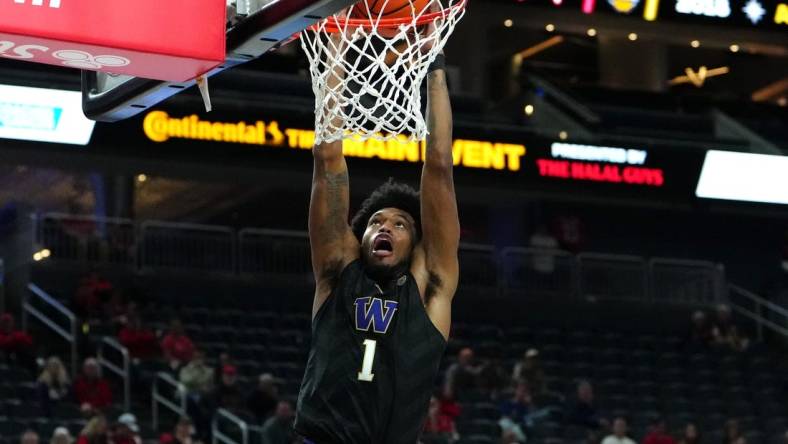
(368, 63)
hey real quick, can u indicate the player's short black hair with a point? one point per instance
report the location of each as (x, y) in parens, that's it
(389, 195)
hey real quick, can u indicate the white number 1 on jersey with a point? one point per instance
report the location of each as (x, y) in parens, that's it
(369, 358)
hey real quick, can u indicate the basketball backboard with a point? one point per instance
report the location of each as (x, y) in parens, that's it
(109, 98)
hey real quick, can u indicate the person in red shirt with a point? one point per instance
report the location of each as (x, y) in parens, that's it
(93, 292)
(178, 349)
(90, 389)
(13, 341)
(439, 427)
(658, 433)
(140, 341)
(15, 344)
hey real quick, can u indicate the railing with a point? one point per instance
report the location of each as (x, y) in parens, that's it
(270, 253)
(479, 267)
(685, 281)
(543, 273)
(69, 333)
(611, 276)
(176, 246)
(274, 252)
(88, 239)
(219, 435)
(122, 370)
(157, 397)
(764, 313)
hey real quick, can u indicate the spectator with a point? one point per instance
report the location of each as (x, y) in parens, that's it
(196, 376)
(515, 411)
(658, 433)
(726, 333)
(463, 374)
(691, 435)
(584, 412)
(731, 432)
(61, 435)
(493, 377)
(278, 429)
(91, 391)
(126, 430)
(510, 437)
(117, 309)
(94, 432)
(184, 430)
(619, 435)
(53, 384)
(439, 428)
(530, 370)
(140, 342)
(229, 395)
(263, 400)
(544, 261)
(16, 344)
(449, 405)
(29, 437)
(178, 349)
(93, 292)
(700, 333)
(224, 359)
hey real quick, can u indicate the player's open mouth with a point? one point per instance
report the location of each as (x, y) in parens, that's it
(382, 246)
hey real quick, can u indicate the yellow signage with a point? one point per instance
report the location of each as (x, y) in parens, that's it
(160, 127)
(781, 15)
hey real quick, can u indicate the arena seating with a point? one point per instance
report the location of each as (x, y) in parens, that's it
(637, 370)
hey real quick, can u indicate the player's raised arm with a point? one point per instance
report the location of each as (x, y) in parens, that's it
(439, 218)
(332, 242)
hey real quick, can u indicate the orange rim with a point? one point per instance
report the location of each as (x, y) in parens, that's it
(333, 24)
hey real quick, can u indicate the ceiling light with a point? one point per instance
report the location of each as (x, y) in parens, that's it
(142, 178)
(695, 43)
(782, 101)
(529, 110)
(550, 27)
(632, 36)
(591, 32)
(508, 23)
(734, 48)
(563, 135)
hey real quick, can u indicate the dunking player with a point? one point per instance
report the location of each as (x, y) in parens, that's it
(385, 283)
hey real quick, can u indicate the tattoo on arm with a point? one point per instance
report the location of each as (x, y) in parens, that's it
(336, 192)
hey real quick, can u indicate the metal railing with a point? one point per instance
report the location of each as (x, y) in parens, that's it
(176, 246)
(279, 252)
(479, 267)
(95, 240)
(613, 276)
(122, 370)
(219, 434)
(686, 281)
(69, 333)
(177, 406)
(543, 273)
(765, 314)
(263, 253)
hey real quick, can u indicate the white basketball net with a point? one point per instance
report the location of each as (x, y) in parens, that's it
(367, 79)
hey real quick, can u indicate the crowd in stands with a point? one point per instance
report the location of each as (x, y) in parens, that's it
(527, 399)
(521, 393)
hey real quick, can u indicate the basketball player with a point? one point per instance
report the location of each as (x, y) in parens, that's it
(384, 286)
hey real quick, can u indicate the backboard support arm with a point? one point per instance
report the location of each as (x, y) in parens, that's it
(111, 98)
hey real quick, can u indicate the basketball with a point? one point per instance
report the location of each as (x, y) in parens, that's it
(388, 9)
